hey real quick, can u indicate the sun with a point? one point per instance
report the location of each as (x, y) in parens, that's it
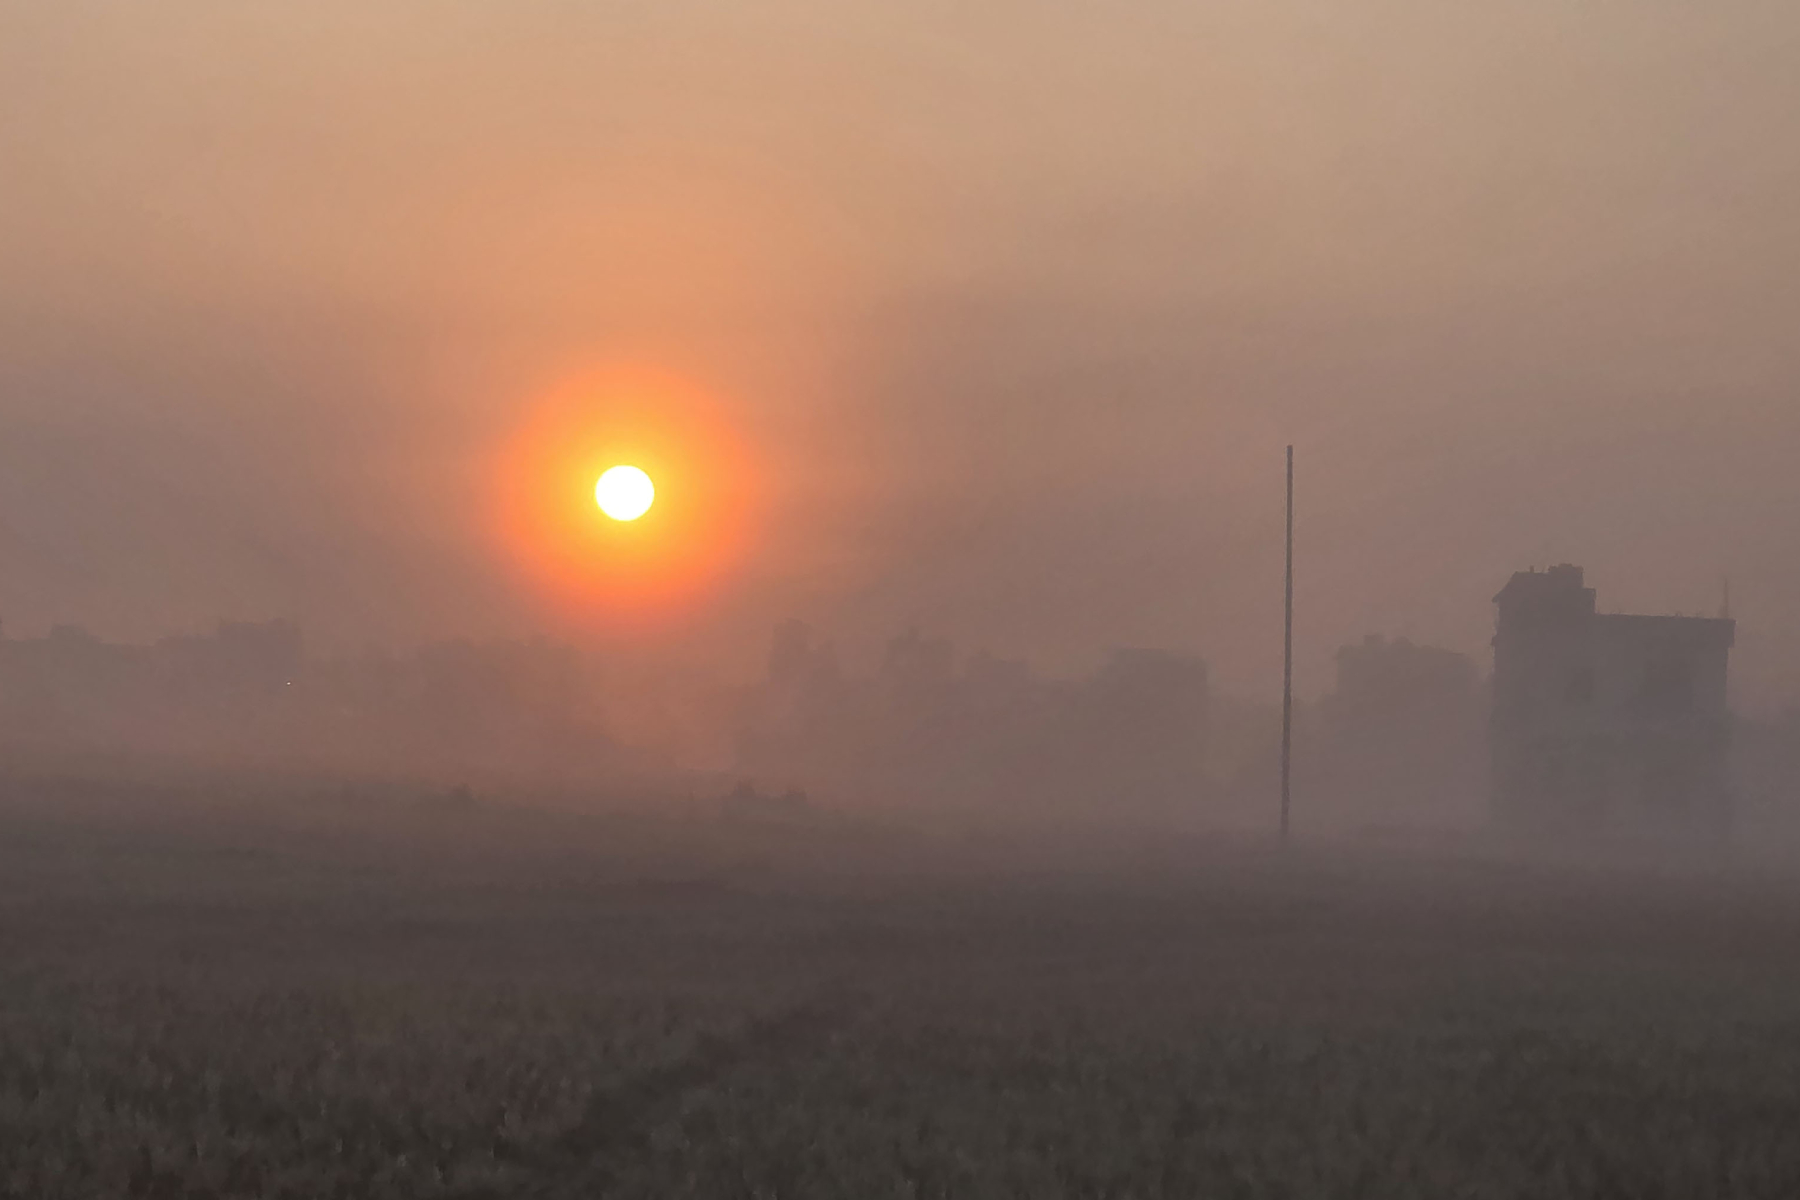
(649, 544)
(625, 493)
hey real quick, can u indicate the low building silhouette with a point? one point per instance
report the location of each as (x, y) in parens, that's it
(980, 733)
(1603, 720)
(1400, 741)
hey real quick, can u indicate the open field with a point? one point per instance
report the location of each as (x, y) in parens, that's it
(202, 1000)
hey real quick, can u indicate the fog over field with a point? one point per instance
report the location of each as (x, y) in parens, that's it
(891, 793)
(228, 992)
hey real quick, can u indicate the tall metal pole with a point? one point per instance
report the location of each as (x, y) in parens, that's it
(1287, 656)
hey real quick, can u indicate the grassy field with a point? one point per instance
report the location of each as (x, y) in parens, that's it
(200, 999)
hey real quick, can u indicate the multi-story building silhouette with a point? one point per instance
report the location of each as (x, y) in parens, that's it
(1604, 720)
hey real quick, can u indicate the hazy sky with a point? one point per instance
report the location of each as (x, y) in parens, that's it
(1014, 305)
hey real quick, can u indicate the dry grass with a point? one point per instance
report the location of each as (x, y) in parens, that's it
(268, 1008)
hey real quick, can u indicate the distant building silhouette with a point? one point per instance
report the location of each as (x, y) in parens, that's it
(1127, 741)
(1400, 741)
(1604, 720)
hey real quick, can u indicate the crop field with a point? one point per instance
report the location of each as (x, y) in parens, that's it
(202, 1000)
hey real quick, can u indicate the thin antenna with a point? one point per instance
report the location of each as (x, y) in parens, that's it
(1287, 657)
(1725, 608)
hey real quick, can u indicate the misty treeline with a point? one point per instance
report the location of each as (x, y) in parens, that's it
(249, 695)
(1398, 742)
(1143, 738)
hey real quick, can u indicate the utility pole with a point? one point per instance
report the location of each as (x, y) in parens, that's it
(1287, 657)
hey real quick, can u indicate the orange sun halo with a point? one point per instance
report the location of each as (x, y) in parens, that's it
(624, 496)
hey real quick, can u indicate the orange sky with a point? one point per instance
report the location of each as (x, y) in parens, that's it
(1008, 309)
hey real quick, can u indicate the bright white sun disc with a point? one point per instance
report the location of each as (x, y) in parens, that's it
(625, 493)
